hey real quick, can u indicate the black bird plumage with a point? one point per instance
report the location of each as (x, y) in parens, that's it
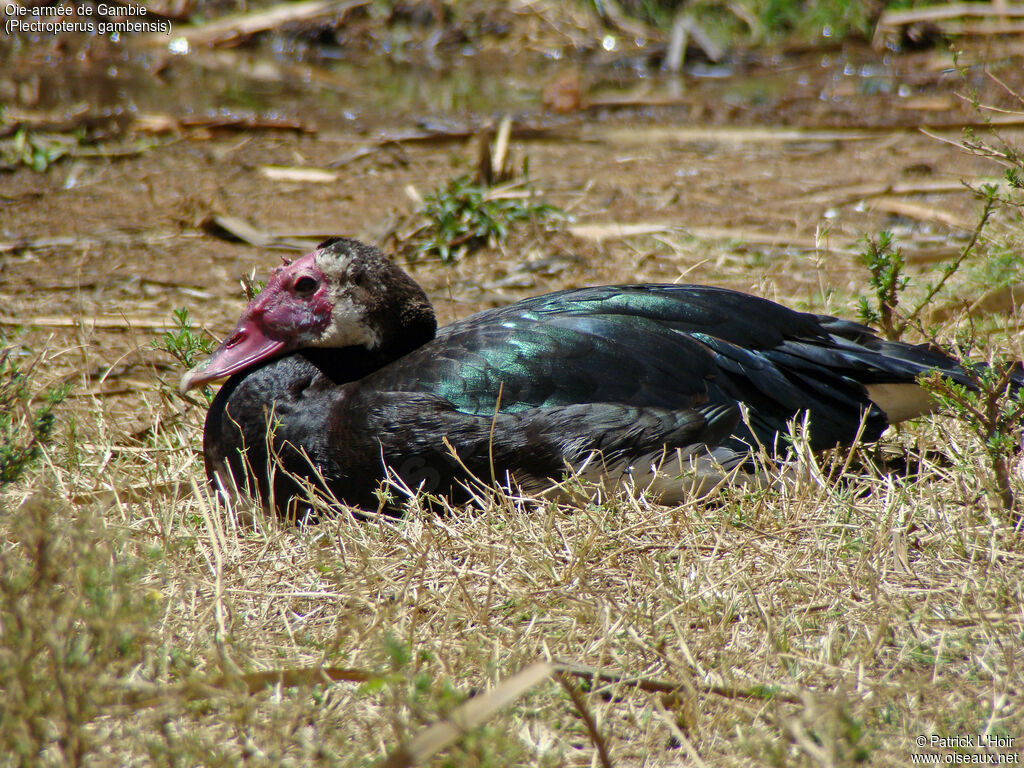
(613, 376)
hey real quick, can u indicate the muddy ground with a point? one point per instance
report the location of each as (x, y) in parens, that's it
(96, 253)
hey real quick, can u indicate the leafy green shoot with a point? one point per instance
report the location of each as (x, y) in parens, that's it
(185, 345)
(463, 216)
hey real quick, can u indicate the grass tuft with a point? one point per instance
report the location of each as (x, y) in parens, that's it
(463, 216)
(72, 623)
(27, 417)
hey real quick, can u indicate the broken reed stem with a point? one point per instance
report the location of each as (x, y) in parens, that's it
(306, 676)
(667, 686)
(588, 719)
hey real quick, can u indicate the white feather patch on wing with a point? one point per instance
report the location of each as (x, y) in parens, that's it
(901, 401)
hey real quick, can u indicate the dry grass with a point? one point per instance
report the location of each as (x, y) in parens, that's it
(819, 624)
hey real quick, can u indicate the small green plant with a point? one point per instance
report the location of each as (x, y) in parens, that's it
(252, 287)
(463, 216)
(997, 147)
(1002, 152)
(185, 345)
(26, 417)
(37, 151)
(885, 264)
(992, 405)
(993, 409)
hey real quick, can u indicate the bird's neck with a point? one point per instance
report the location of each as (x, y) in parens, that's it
(345, 364)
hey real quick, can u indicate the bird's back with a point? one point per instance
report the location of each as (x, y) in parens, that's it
(662, 346)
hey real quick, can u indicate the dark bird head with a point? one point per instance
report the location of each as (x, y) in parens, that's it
(343, 294)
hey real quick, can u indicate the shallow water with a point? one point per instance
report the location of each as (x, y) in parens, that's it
(373, 89)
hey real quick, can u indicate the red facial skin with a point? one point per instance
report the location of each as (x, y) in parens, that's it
(293, 310)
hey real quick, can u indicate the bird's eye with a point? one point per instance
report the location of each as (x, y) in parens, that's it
(306, 285)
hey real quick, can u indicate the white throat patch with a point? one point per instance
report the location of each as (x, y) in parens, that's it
(348, 326)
